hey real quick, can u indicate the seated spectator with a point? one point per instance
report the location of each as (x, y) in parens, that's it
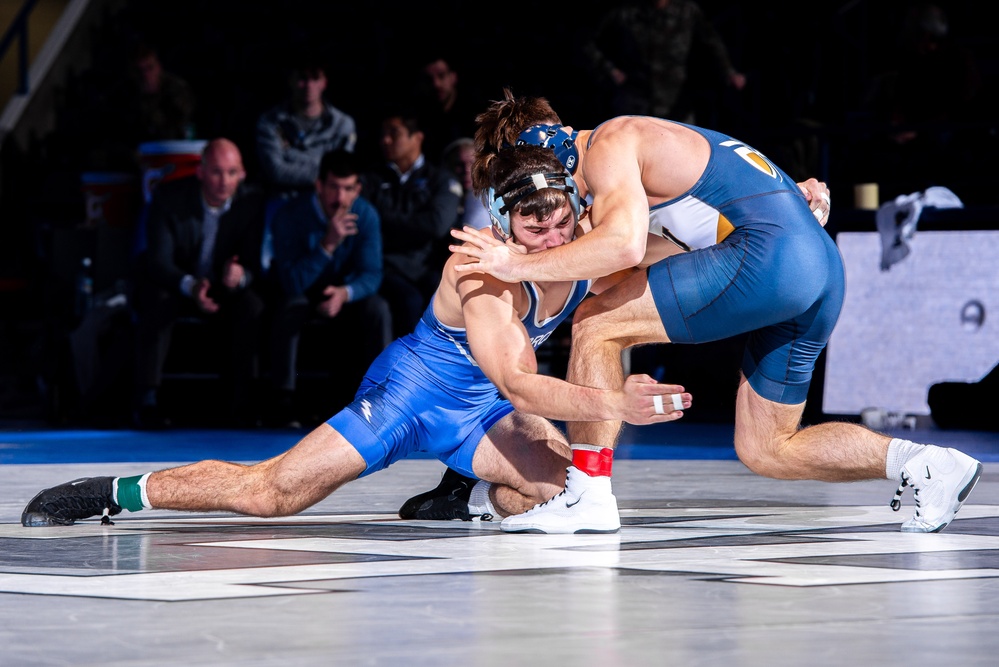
(418, 204)
(202, 260)
(328, 266)
(459, 156)
(293, 136)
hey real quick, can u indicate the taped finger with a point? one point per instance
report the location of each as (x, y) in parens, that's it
(677, 402)
(657, 400)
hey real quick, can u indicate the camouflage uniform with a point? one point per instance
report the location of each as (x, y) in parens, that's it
(652, 47)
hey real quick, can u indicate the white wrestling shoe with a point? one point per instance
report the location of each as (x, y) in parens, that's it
(941, 479)
(587, 505)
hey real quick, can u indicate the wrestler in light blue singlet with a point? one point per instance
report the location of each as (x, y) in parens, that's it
(425, 393)
(759, 263)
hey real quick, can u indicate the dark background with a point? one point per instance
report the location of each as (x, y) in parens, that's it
(810, 70)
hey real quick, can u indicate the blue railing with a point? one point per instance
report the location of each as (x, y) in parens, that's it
(19, 30)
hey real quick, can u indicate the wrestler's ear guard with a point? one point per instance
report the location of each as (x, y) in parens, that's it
(556, 138)
(499, 206)
(499, 212)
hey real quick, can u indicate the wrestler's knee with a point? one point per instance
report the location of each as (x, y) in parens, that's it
(763, 432)
(764, 455)
(271, 494)
(753, 454)
(270, 501)
(588, 310)
(592, 321)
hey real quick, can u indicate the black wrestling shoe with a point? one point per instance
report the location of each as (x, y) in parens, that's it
(448, 501)
(63, 505)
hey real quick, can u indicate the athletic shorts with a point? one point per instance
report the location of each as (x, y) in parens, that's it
(778, 276)
(401, 408)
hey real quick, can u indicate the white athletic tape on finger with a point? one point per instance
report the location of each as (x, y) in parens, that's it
(657, 400)
(677, 402)
(826, 199)
(818, 214)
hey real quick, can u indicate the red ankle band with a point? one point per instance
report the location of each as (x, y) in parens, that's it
(594, 464)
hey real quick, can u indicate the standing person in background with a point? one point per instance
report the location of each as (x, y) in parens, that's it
(328, 268)
(160, 105)
(642, 51)
(202, 261)
(447, 109)
(418, 204)
(293, 136)
(149, 103)
(925, 138)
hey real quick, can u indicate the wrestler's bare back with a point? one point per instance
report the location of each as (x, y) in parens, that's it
(668, 158)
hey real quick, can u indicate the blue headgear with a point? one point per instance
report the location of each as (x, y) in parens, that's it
(556, 138)
(500, 206)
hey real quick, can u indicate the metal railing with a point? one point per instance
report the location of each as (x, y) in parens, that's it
(19, 30)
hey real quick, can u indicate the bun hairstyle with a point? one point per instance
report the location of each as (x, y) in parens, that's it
(523, 160)
(500, 127)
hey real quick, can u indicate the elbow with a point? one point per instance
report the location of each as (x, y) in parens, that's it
(521, 403)
(623, 246)
(520, 400)
(631, 253)
(633, 256)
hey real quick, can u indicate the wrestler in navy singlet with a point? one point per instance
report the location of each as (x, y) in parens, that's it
(759, 263)
(425, 393)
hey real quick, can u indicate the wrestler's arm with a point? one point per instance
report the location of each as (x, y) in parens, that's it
(501, 346)
(620, 228)
(508, 262)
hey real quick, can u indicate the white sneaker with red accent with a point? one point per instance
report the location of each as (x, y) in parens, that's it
(586, 505)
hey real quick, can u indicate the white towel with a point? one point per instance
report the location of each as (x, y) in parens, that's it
(896, 220)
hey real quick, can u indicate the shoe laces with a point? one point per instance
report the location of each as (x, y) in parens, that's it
(896, 502)
(75, 504)
(540, 505)
(557, 495)
(89, 500)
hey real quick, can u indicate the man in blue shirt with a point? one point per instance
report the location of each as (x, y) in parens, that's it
(327, 267)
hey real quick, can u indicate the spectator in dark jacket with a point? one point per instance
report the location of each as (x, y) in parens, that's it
(418, 202)
(204, 236)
